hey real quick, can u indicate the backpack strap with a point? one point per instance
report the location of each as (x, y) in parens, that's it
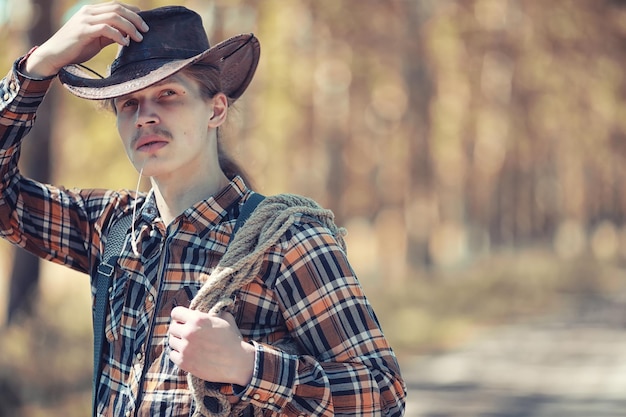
(246, 210)
(116, 236)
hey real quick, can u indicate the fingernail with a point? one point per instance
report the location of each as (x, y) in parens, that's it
(145, 27)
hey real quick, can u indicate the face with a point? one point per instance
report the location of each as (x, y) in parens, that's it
(167, 129)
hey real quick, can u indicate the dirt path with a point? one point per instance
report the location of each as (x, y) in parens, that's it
(570, 365)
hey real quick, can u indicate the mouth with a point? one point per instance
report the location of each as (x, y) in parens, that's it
(150, 143)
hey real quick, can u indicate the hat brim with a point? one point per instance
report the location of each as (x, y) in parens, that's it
(235, 58)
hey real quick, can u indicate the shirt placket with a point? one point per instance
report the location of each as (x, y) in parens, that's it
(145, 319)
(143, 357)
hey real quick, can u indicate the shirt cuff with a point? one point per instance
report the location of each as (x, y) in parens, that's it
(20, 63)
(273, 380)
(20, 95)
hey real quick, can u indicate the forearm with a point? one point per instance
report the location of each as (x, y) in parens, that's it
(302, 384)
(34, 216)
(344, 365)
(20, 97)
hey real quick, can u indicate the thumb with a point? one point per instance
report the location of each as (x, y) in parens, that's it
(232, 323)
(229, 318)
(181, 314)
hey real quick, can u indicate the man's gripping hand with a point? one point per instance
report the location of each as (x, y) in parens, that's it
(84, 35)
(210, 346)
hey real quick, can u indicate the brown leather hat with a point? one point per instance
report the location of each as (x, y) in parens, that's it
(175, 40)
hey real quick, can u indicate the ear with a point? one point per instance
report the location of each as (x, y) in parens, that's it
(219, 106)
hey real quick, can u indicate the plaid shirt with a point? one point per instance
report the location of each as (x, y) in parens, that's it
(306, 290)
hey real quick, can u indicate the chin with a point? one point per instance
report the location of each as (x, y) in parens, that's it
(146, 171)
(149, 167)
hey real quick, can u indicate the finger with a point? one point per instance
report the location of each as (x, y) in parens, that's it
(174, 342)
(181, 314)
(176, 358)
(132, 15)
(127, 22)
(176, 329)
(175, 355)
(230, 320)
(123, 26)
(108, 34)
(178, 314)
(127, 11)
(228, 317)
(116, 3)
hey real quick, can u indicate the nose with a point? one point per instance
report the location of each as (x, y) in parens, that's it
(146, 115)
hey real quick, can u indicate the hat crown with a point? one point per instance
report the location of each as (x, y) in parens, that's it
(175, 33)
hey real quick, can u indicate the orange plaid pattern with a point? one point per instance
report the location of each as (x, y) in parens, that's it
(305, 291)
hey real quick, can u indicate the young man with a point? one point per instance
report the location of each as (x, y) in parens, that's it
(298, 336)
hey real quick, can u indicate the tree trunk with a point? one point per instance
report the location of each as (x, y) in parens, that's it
(421, 186)
(35, 163)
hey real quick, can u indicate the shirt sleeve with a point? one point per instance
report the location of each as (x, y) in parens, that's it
(51, 222)
(348, 368)
(20, 97)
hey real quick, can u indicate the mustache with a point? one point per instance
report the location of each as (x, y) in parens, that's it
(159, 131)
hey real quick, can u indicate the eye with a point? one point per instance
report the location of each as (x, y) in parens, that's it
(168, 93)
(123, 104)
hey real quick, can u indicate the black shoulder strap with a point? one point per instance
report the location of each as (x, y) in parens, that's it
(246, 210)
(116, 235)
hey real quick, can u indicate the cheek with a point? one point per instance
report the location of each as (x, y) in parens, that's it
(191, 137)
(124, 133)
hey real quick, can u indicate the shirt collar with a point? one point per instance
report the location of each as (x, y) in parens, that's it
(206, 213)
(217, 208)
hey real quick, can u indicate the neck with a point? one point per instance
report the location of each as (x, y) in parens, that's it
(174, 197)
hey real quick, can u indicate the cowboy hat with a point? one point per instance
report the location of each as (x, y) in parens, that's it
(176, 39)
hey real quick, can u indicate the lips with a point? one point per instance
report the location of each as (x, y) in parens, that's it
(150, 143)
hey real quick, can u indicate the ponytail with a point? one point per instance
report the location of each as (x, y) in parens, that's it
(229, 166)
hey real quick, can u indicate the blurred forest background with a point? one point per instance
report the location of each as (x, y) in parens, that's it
(474, 149)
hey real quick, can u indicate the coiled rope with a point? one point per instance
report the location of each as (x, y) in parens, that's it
(238, 267)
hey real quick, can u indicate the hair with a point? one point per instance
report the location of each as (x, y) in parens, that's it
(207, 78)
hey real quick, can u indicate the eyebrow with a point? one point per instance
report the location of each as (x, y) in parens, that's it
(169, 80)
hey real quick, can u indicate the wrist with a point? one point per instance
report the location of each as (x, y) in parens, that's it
(34, 65)
(248, 362)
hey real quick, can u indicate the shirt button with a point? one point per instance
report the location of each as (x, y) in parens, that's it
(150, 298)
(256, 397)
(139, 356)
(12, 86)
(271, 400)
(127, 414)
(6, 96)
